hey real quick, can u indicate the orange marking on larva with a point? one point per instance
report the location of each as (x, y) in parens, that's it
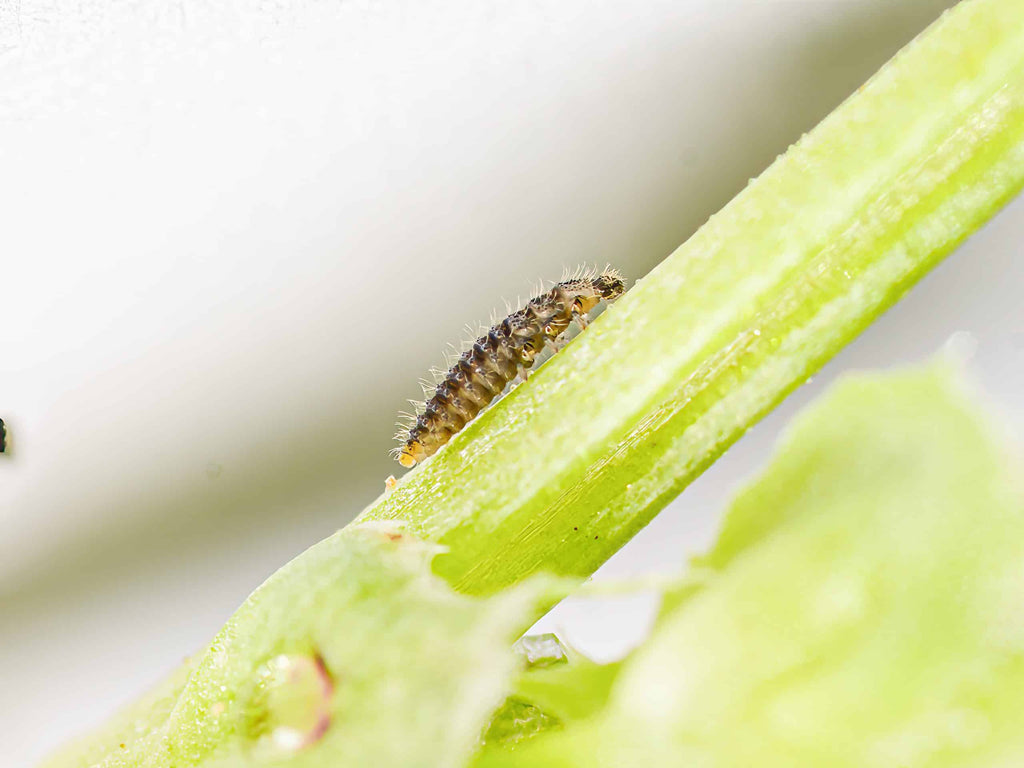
(507, 350)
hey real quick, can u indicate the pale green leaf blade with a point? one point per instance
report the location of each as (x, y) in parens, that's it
(865, 607)
(412, 671)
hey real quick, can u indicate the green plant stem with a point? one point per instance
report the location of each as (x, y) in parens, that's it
(563, 471)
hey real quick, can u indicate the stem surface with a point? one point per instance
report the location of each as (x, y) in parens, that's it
(568, 467)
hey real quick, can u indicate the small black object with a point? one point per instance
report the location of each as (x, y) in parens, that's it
(3, 436)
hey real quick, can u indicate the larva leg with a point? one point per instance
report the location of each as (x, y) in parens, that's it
(582, 319)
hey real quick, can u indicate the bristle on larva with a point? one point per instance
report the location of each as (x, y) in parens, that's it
(482, 372)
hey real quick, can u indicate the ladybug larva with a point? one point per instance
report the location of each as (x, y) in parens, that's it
(509, 347)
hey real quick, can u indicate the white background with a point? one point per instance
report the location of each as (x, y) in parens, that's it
(233, 235)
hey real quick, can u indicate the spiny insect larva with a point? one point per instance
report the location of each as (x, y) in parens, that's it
(482, 372)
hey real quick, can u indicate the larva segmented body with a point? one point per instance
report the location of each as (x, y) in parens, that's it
(482, 372)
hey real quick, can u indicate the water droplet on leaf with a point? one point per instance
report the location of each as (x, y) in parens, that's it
(540, 651)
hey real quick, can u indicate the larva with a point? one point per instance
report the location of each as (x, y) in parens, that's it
(482, 372)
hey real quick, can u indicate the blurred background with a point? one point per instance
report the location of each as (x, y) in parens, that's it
(234, 235)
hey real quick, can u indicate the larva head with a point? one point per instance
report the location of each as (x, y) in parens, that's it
(610, 284)
(587, 289)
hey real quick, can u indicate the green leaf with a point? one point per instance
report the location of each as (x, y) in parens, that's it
(546, 697)
(570, 692)
(865, 607)
(354, 654)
